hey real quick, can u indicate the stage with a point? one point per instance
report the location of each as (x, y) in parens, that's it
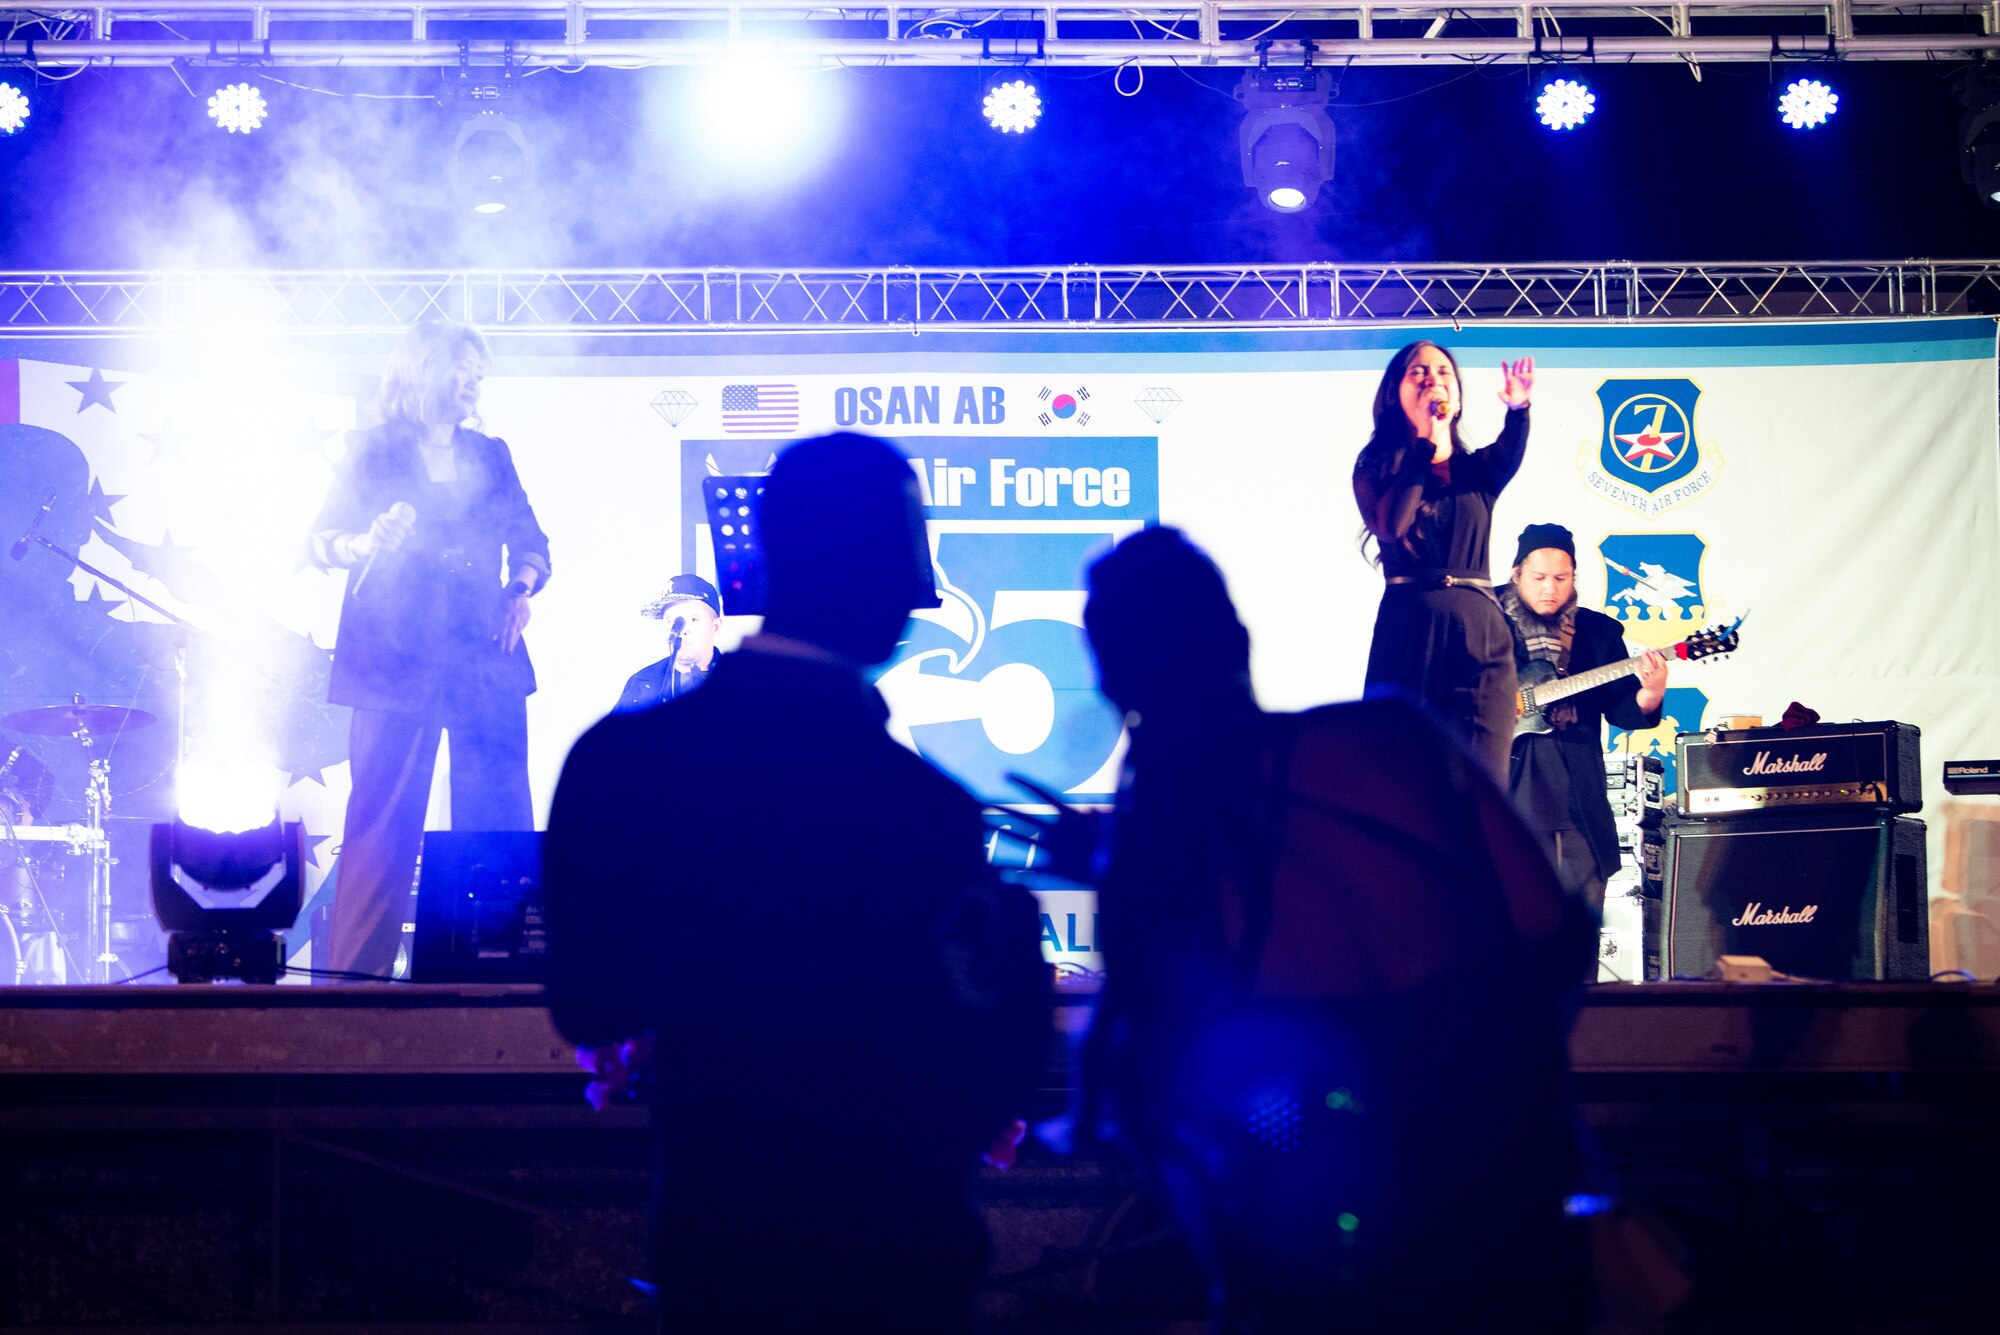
(411, 1157)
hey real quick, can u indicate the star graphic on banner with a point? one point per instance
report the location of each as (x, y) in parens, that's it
(98, 599)
(1649, 445)
(313, 841)
(309, 439)
(167, 441)
(96, 390)
(100, 504)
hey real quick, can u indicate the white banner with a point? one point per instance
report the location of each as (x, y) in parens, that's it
(1834, 483)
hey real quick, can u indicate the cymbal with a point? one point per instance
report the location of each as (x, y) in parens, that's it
(63, 720)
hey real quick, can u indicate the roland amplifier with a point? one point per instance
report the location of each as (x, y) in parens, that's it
(1831, 896)
(1872, 767)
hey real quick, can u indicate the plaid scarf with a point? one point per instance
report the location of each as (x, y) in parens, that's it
(1544, 636)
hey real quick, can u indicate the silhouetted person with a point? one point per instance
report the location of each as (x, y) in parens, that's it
(846, 1006)
(1338, 976)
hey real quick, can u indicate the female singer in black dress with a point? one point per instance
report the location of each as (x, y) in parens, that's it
(1428, 503)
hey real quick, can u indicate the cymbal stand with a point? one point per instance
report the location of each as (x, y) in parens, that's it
(97, 803)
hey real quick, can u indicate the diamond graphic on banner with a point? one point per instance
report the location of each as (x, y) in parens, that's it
(1158, 403)
(757, 409)
(674, 405)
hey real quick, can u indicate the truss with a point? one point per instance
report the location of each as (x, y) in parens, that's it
(709, 301)
(577, 33)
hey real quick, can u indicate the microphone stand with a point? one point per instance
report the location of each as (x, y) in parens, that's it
(102, 956)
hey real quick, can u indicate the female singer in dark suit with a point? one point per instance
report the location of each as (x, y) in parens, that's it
(422, 513)
(1428, 503)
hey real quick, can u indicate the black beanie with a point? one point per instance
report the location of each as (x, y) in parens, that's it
(1537, 536)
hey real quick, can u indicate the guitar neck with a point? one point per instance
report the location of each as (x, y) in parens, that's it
(1565, 687)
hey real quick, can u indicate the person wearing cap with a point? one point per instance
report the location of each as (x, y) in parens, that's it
(1557, 778)
(692, 609)
(719, 872)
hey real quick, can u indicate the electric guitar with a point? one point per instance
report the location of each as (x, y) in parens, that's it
(1540, 687)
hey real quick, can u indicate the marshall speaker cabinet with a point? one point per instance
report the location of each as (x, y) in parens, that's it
(1826, 895)
(1853, 766)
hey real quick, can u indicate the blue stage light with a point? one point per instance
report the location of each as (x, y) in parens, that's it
(13, 108)
(1013, 107)
(1807, 104)
(237, 108)
(1565, 104)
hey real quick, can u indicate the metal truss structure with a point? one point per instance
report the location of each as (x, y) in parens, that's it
(572, 34)
(722, 301)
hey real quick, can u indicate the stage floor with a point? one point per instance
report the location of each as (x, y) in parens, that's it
(420, 1157)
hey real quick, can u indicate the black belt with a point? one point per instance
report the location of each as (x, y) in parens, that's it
(1443, 580)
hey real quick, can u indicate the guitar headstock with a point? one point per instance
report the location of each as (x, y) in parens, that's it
(1710, 643)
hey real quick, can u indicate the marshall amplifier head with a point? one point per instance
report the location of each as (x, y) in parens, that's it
(1819, 896)
(1872, 767)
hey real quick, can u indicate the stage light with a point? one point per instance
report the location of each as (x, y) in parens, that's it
(1807, 104)
(238, 108)
(1979, 153)
(751, 103)
(225, 899)
(226, 797)
(1286, 139)
(1565, 104)
(491, 165)
(1013, 107)
(1979, 133)
(13, 108)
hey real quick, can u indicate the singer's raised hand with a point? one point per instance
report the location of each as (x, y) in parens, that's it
(1518, 382)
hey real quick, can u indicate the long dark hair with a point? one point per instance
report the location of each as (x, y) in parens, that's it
(1392, 434)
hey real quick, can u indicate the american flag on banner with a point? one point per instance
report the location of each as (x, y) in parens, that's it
(753, 409)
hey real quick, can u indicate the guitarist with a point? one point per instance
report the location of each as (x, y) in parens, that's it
(1557, 778)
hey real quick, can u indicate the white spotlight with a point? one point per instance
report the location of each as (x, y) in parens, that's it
(752, 104)
(1565, 104)
(13, 108)
(1013, 107)
(491, 166)
(1807, 104)
(238, 108)
(1286, 139)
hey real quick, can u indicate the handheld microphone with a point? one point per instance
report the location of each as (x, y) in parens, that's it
(678, 627)
(1440, 409)
(401, 510)
(20, 549)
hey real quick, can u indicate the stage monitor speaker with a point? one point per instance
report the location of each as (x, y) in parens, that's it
(1825, 898)
(479, 908)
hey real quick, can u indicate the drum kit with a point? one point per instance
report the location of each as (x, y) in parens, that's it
(32, 928)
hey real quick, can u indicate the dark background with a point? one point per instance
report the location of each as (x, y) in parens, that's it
(123, 169)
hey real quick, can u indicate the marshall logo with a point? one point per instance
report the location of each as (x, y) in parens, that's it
(1763, 764)
(1756, 915)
